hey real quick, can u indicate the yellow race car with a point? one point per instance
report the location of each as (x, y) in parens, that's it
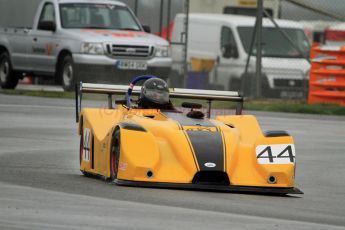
(150, 143)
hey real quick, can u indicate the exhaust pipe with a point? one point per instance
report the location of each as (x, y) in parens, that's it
(272, 180)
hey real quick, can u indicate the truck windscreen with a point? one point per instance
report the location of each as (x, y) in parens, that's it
(97, 16)
(275, 44)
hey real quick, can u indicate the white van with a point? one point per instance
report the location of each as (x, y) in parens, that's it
(227, 38)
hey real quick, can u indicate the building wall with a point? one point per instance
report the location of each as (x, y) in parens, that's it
(17, 13)
(20, 13)
(293, 12)
(149, 11)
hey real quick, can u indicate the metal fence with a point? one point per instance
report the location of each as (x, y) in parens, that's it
(279, 63)
(321, 21)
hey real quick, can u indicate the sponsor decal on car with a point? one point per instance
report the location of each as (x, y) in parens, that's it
(210, 164)
(123, 166)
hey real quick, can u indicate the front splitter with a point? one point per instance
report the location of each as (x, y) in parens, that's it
(210, 187)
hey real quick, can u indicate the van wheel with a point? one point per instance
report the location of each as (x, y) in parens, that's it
(8, 78)
(249, 81)
(235, 84)
(67, 73)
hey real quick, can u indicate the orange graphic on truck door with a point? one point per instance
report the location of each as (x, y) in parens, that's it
(117, 33)
(49, 49)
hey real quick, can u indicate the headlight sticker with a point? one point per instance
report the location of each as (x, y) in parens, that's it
(276, 154)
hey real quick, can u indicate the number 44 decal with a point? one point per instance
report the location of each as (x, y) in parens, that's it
(276, 154)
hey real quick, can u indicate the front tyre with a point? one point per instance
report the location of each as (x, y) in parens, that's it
(115, 155)
(67, 73)
(8, 78)
(81, 153)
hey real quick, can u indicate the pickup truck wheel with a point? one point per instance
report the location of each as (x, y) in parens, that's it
(67, 73)
(8, 78)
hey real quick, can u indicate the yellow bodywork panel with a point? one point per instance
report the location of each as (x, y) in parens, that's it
(242, 160)
(164, 150)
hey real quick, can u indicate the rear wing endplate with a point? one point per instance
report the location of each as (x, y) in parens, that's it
(110, 90)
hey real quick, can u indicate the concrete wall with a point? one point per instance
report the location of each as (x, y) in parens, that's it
(293, 12)
(149, 11)
(17, 13)
(20, 13)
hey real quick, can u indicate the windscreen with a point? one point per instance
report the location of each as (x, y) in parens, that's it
(275, 44)
(97, 16)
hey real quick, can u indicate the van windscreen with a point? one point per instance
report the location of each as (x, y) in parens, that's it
(274, 44)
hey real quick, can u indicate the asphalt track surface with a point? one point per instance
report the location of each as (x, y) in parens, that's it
(42, 188)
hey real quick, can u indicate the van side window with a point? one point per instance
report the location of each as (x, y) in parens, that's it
(48, 12)
(228, 44)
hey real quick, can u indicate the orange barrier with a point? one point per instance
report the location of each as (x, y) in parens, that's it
(327, 76)
(26, 80)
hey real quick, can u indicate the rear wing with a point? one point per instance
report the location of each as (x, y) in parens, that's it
(110, 90)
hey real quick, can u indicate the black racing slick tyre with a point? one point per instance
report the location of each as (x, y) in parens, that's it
(8, 78)
(67, 73)
(115, 155)
(81, 152)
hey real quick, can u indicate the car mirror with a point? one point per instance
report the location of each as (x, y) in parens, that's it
(147, 28)
(229, 51)
(47, 26)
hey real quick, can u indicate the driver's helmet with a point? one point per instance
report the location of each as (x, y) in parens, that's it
(154, 94)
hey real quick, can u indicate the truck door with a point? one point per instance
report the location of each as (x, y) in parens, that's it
(229, 65)
(44, 42)
(19, 40)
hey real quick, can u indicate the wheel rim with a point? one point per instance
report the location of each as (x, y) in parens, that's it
(4, 70)
(67, 74)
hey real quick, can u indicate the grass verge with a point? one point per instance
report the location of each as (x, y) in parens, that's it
(293, 106)
(39, 93)
(276, 105)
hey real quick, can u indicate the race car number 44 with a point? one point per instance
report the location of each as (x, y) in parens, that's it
(276, 154)
(129, 64)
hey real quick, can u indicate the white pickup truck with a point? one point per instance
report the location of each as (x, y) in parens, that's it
(82, 40)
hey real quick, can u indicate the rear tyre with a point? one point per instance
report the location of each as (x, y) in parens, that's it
(67, 73)
(81, 149)
(8, 78)
(115, 155)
